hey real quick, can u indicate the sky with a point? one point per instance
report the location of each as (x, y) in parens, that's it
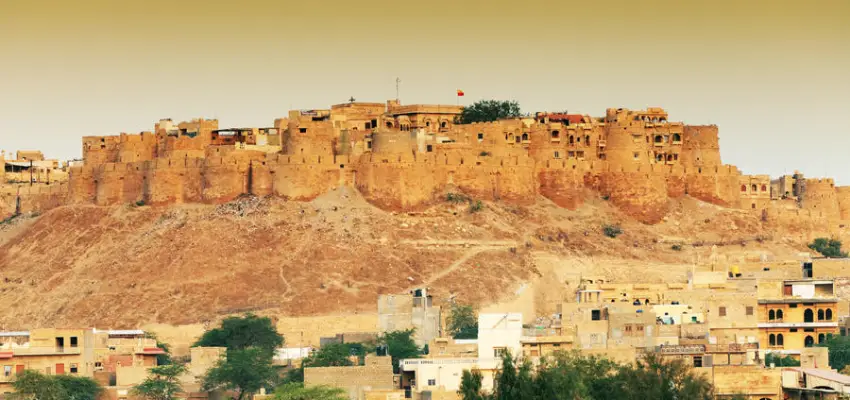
(773, 75)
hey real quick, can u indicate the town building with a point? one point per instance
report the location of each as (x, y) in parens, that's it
(795, 314)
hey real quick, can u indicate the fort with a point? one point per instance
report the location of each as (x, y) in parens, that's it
(406, 157)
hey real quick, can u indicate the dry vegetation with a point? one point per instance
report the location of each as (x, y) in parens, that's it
(124, 266)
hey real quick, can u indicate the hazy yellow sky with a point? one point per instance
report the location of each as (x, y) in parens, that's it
(774, 75)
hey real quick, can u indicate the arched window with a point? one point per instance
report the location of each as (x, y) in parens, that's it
(772, 340)
(828, 314)
(578, 139)
(808, 315)
(821, 337)
(443, 124)
(572, 139)
(389, 124)
(657, 138)
(820, 315)
(779, 314)
(669, 157)
(755, 188)
(780, 341)
(743, 188)
(659, 157)
(771, 315)
(809, 342)
(556, 134)
(524, 136)
(763, 188)
(587, 139)
(677, 138)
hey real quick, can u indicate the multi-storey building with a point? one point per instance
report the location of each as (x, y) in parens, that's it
(794, 314)
(84, 352)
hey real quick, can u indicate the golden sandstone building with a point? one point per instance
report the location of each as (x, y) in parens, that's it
(404, 157)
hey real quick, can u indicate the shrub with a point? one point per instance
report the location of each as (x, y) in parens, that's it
(140, 203)
(612, 231)
(475, 206)
(484, 153)
(457, 198)
(676, 247)
(829, 248)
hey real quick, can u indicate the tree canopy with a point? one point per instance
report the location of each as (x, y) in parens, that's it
(162, 383)
(488, 111)
(35, 385)
(839, 351)
(829, 248)
(462, 322)
(570, 376)
(244, 371)
(400, 345)
(297, 391)
(239, 333)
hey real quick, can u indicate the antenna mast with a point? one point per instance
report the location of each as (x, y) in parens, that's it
(397, 82)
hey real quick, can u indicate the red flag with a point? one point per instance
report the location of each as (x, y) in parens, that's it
(460, 92)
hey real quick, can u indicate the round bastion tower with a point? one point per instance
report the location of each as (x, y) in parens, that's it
(309, 138)
(626, 140)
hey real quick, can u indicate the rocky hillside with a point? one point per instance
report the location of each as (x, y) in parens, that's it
(124, 266)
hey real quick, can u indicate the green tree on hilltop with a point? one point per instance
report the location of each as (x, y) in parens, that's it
(239, 333)
(488, 111)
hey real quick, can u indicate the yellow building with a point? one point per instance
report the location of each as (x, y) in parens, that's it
(794, 314)
(83, 352)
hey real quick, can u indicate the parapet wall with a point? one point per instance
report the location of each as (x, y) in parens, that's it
(820, 196)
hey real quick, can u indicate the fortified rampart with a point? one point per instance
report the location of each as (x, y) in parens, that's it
(398, 160)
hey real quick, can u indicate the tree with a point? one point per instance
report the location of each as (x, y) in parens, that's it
(462, 322)
(512, 382)
(162, 383)
(654, 378)
(780, 361)
(239, 333)
(829, 248)
(297, 391)
(488, 111)
(839, 351)
(33, 385)
(78, 387)
(470, 386)
(244, 371)
(330, 355)
(400, 345)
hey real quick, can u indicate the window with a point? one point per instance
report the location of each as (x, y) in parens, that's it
(771, 315)
(627, 328)
(828, 314)
(557, 155)
(743, 188)
(73, 341)
(676, 138)
(636, 155)
(73, 368)
(443, 124)
(304, 130)
(821, 337)
(7, 370)
(763, 188)
(808, 329)
(595, 315)
(640, 328)
(428, 148)
(820, 315)
(432, 382)
(556, 134)
(749, 310)
(808, 315)
(480, 137)
(780, 341)
(697, 361)
(792, 305)
(721, 311)
(792, 330)
(771, 340)
(524, 136)
(498, 352)
(755, 188)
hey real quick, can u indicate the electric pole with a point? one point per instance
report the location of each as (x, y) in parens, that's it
(397, 82)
